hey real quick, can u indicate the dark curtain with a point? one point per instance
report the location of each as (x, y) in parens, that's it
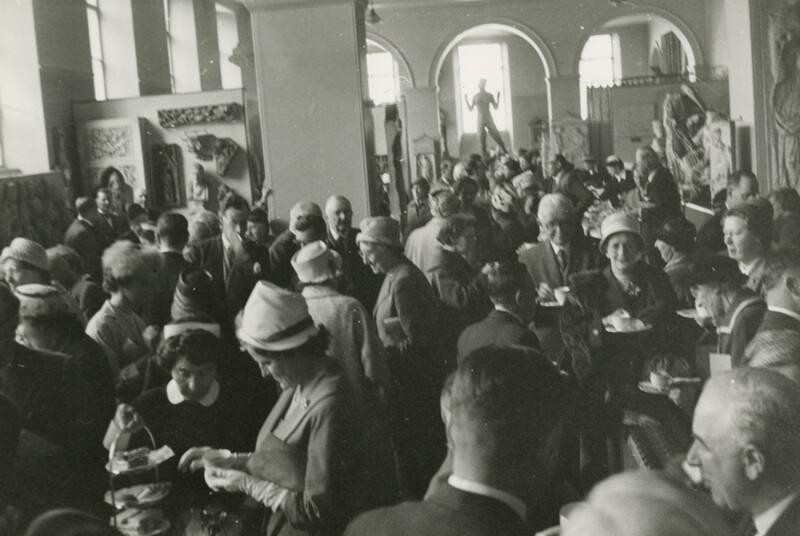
(601, 141)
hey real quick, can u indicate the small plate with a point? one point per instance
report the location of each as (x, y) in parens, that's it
(687, 313)
(127, 497)
(550, 304)
(612, 329)
(651, 389)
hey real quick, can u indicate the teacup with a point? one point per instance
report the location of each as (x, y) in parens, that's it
(560, 294)
(660, 380)
(566, 511)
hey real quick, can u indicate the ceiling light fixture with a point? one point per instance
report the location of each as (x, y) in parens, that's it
(372, 15)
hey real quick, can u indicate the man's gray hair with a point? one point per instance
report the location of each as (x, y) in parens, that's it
(555, 203)
(765, 412)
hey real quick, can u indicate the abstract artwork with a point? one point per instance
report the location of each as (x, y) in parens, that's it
(196, 115)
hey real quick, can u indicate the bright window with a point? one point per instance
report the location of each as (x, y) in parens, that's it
(600, 65)
(383, 79)
(487, 61)
(96, 48)
(228, 39)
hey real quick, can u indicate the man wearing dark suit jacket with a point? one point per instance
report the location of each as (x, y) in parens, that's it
(620, 181)
(568, 182)
(563, 251)
(503, 403)
(358, 281)
(782, 290)
(83, 236)
(751, 469)
(660, 198)
(506, 324)
(172, 233)
(109, 224)
(225, 258)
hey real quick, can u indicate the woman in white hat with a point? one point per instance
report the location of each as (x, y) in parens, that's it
(630, 302)
(312, 464)
(406, 313)
(353, 336)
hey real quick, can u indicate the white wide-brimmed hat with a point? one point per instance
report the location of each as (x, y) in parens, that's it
(317, 263)
(275, 319)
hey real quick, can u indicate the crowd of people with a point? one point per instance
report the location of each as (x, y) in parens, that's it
(476, 366)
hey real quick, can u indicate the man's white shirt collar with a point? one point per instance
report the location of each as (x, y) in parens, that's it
(557, 248)
(747, 268)
(85, 220)
(513, 502)
(784, 311)
(768, 517)
(175, 397)
(509, 312)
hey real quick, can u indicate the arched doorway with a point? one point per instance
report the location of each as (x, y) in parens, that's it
(388, 72)
(516, 65)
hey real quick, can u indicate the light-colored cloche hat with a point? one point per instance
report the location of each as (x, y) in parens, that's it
(380, 230)
(618, 222)
(317, 263)
(27, 251)
(37, 301)
(275, 319)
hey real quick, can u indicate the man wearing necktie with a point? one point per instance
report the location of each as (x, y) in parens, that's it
(563, 251)
(358, 281)
(747, 436)
(224, 256)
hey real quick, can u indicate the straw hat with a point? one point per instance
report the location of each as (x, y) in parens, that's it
(380, 230)
(37, 301)
(27, 251)
(275, 319)
(317, 263)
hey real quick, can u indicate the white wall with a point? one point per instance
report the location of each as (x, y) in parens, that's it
(238, 176)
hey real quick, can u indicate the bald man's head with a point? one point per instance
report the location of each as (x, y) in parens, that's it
(338, 214)
(303, 208)
(747, 436)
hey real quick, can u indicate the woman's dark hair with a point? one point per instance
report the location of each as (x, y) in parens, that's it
(679, 233)
(313, 223)
(757, 213)
(105, 176)
(197, 346)
(454, 227)
(464, 182)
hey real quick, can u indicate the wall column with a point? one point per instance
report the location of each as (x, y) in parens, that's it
(310, 70)
(205, 22)
(749, 84)
(150, 37)
(564, 96)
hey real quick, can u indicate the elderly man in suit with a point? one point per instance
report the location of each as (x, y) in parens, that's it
(563, 251)
(286, 244)
(503, 409)
(225, 258)
(84, 237)
(506, 324)
(747, 436)
(357, 281)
